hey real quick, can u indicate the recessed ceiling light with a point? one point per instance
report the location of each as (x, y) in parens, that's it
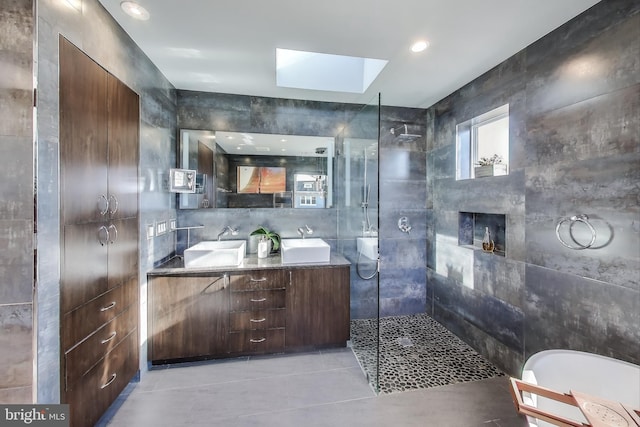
(134, 10)
(419, 46)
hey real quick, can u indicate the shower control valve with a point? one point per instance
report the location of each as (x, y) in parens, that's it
(403, 224)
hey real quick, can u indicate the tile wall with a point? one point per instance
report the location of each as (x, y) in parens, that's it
(574, 148)
(16, 204)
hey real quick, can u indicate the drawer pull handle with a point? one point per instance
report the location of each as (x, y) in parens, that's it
(258, 300)
(264, 279)
(257, 341)
(112, 336)
(108, 307)
(257, 320)
(108, 383)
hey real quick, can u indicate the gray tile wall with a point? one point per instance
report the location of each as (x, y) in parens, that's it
(574, 148)
(16, 206)
(403, 193)
(93, 30)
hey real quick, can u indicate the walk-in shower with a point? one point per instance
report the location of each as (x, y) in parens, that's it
(405, 349)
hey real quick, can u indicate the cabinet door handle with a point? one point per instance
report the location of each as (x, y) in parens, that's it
(264, 279)
(103, 211)
(257, 341)
(113, 207)
(108, 383)
(108, 307)
(103, 235)
(257, 320)
(217, 288)
(112, 336)
(258, 300)
(113, 239)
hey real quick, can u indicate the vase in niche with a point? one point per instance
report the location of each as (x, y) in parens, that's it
(487, 243)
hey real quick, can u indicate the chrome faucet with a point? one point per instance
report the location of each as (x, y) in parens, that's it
(226, 230)
(306, 229)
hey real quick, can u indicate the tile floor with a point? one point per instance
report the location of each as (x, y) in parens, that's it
(325, 388)
(415, 352)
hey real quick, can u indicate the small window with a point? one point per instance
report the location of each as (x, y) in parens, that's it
(482, 147)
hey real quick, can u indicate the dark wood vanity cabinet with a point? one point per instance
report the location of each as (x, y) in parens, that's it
(189, 317)
(99, 134)
(264, 311)
(317, 308)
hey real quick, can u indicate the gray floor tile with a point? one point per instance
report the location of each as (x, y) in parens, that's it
(317, 389)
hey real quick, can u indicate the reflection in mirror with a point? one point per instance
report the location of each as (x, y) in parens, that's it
(250, 170)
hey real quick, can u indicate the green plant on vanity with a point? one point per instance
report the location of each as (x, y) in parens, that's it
(271, 235)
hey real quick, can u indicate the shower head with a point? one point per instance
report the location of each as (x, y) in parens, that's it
(404, 134)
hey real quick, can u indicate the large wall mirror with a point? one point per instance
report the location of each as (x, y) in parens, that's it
(252, 170)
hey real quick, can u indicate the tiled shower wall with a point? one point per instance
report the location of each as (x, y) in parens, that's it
(16, 205)
(574, 99)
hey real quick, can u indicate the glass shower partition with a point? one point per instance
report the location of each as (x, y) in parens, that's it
(357, 196)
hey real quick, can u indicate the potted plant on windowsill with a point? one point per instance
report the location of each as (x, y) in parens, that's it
(490, 166)
(259, 233)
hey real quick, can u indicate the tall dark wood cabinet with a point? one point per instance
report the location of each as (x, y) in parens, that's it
(99, 139)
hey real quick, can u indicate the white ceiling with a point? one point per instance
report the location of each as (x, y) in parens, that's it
(228, 46)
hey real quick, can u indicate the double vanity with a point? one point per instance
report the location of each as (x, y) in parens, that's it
(220, 303)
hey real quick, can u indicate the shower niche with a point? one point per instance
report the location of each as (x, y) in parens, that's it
(473, 228)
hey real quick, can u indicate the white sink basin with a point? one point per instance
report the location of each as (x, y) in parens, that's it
(304, 251)
(368, 247)
(225, 253)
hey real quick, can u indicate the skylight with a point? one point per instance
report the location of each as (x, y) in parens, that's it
(322, 71)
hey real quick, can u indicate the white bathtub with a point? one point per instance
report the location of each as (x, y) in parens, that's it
(565, 370)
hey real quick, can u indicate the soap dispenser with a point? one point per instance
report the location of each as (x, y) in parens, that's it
(263, 248)
(487, 243)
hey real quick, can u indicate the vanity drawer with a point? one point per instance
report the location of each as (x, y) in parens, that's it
(257, 319)
(257, 341)
(257, 300)
(258, 280)
(83, 356)
(83, 321)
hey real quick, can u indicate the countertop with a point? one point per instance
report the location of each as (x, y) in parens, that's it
(175, 266)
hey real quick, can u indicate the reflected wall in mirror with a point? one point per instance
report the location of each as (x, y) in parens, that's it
(222, 160)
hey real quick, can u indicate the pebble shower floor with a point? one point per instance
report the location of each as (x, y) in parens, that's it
(416, 352)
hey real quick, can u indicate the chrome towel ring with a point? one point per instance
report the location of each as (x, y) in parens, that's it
(583, 218)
